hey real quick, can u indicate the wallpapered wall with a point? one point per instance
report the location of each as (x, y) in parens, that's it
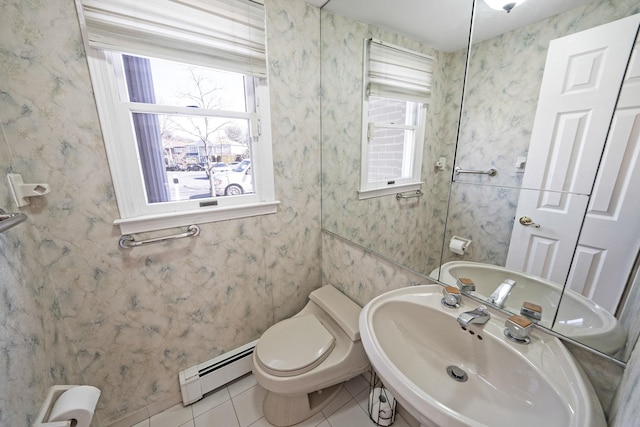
(505, 73)
(410, 229)
(78, 309)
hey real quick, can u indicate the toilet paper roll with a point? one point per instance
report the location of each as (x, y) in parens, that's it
(382, 406)
(77, 403)
(457, 246)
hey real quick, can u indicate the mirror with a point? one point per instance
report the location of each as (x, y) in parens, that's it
(506, 64)
(408, 231)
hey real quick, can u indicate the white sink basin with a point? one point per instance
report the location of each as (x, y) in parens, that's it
(411, 339)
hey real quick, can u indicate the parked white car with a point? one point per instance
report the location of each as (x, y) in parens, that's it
(234, 182)
(217, 168)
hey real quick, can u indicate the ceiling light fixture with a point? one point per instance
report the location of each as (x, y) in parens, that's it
(503, 4)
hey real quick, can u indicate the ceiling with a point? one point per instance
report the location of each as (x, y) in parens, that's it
(444, 24)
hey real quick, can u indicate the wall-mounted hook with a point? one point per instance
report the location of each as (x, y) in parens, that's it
(21, 191)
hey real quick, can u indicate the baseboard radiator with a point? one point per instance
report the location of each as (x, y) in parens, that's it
(198, 380)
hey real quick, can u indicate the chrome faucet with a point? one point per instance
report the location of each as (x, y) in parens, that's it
(478, 316)
(499, 296)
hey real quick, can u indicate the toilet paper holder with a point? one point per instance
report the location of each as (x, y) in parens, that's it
(459, 245)
(49, 406)
(54, 393)
(379, 394)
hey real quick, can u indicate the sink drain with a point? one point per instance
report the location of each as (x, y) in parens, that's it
(457, 373)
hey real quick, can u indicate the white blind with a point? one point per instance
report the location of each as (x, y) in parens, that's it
(396, 72)
(223, 34)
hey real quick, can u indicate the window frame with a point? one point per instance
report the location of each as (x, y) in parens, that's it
(369, 189)
(395, 73)
(115, 114)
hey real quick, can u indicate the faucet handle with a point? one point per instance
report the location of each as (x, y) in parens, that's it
(465, 284)
(531, 311)
(518, 329)
(452, 297)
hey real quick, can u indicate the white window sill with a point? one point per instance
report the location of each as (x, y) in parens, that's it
(386, 191)
(179, 219)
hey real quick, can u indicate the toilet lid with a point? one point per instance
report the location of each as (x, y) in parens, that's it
(294, 346)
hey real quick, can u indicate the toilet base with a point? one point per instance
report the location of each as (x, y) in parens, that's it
(286, 410)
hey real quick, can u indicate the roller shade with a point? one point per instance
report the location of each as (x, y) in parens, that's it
(222, 34)
(398, 73)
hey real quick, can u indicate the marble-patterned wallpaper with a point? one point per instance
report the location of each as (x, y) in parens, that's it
(75, 307)
(408, 229)
(501, 95)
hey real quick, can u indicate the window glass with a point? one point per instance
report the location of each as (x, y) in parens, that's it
(392, 139)
(179, 153)
(175, 83)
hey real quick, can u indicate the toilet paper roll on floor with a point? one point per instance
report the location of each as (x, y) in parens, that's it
(382, 406)
(77, 403)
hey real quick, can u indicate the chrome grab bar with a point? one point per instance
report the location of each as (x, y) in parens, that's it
(128, 241)
(404, 195)
(10, 220)
(490, 172)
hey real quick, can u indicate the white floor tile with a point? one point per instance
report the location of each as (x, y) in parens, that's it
(240, 405)
(355, 385)
(222, 415)
(363, 399)
(312, 422)
(248, 405)
(172, 417)
(350, 415)
(262, 422)
(400, 422)
(342, 398)
(241, 384)
(211, 401)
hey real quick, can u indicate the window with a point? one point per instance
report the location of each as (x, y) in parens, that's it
(183, 101)
(395, 98)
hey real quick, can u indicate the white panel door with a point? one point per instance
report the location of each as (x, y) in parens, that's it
(580, 86)
(610, 238)
(546, 251)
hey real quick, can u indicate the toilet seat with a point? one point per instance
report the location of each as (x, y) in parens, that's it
(294, 346)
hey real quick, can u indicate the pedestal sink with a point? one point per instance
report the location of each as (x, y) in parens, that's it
(445, 375)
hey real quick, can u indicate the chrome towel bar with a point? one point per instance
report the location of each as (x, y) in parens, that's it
(408, 195)
(10, 220)
(128, 241)
(490, 172)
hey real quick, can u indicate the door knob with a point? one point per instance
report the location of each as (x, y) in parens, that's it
(525, 220)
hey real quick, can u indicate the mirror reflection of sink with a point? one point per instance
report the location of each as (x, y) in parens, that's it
(421, 354)
(579, 318)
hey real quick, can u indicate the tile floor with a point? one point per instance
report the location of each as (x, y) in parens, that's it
(239, 404)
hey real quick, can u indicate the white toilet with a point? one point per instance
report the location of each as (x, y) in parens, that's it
(303, 361)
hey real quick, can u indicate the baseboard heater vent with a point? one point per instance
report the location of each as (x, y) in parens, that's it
(198, 380)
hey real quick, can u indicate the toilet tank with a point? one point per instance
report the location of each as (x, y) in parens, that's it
(341, 309)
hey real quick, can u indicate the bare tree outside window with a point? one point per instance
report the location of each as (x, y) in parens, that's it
(218, 132)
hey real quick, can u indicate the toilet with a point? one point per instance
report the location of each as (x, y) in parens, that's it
(304, 361)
